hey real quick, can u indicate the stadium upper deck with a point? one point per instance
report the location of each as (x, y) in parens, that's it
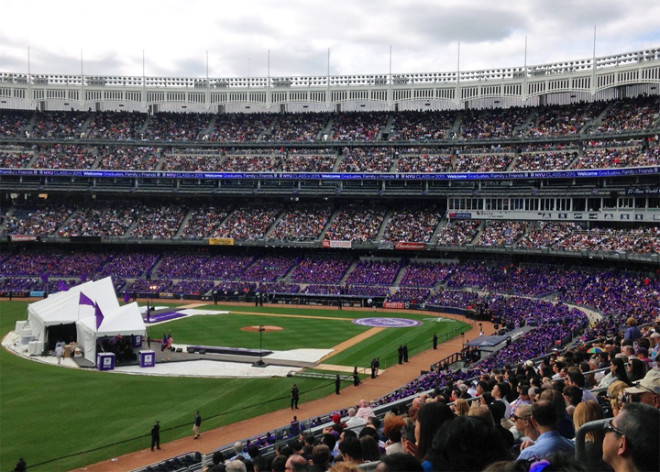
(595, 78)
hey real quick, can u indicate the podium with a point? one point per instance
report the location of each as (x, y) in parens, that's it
(147, 358)
(105, 361)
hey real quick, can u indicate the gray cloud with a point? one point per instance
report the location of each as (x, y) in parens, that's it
(423, 35)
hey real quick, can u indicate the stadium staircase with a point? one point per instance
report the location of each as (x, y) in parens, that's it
(327, 132)
(386, 131)
(342, 281)
(383, 226)
(438, 228)
(397, 281)
(482, 226)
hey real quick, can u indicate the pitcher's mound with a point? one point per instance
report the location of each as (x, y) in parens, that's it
(265, 328)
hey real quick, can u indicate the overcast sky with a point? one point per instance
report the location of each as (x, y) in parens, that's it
(110, 38)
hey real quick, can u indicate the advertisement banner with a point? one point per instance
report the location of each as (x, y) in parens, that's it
(336, 244)
(407, 246)
(221, 241)
(393, 305)
(22, 237)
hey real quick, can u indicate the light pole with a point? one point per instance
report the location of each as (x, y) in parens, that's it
(152, 290)
(260, 362)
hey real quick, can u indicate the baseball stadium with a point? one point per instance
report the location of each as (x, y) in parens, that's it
(179, 245)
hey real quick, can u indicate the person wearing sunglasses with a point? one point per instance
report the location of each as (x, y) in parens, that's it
(525, 430)
(631, 439)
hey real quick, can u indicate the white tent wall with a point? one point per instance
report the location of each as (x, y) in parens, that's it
(65, 308)
(125, 321)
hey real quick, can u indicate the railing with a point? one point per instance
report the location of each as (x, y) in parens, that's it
(324, 81)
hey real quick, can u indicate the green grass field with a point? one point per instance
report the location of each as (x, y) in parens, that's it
(60, 419)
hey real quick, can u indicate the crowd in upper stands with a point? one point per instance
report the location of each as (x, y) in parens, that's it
(132, 133)
(135, 220)
(381, 160)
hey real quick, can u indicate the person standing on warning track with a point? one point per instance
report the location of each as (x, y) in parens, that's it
(155, 435)
(435, 341)
(356, 377)
(295, 396)
(196, 425)
(337, 384)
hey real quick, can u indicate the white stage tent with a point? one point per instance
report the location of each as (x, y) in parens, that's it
(125, 321)
(80, 313)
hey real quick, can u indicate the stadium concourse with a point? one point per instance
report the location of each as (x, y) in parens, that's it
(387, 381)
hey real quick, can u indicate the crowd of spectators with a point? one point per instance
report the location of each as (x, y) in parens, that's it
(501, 233)
(301, 161)
(157, 222)
(373, 272)
(424, 274)
(547, 234)
(320, 270)
(129, 158)
(358, 126)
(297, 127)
(203, 221)
(355, 224)
(192, 161)
(627, 115)
(423, 163)
(482, 162)
(543, 121)
(562, 120)
(269, 268)
(123, 156)
(366, 160)
(14, 123)
(65, 156)
(41, 221)
(546, 160)
(248, 223)
(300, 225)
(457, 232)
(117, 126)
(112, 219)
(491, 124)
(412, 225)
(175, 126)
(571, 237)
(102, 221)
(58, 125)
(604, 158)
(238, 127)
(253, 162)
(422, 126)
(129, 265)
(15, 159)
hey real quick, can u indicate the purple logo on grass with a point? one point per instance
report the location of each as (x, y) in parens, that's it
(387, 322)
